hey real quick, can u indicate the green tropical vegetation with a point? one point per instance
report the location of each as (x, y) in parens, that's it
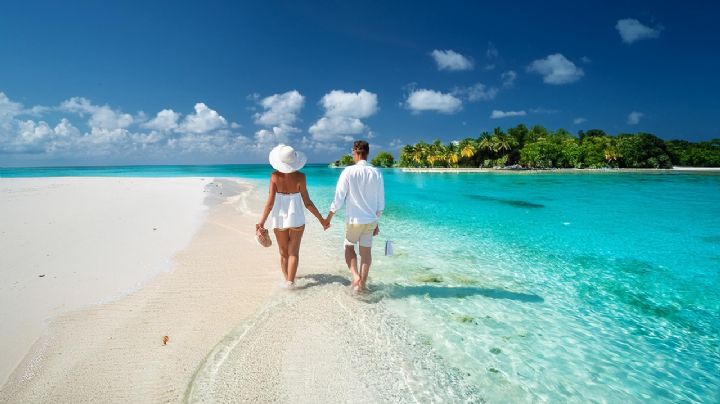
(701, 154)
(345, 160)
(383, 159)
(539, 148)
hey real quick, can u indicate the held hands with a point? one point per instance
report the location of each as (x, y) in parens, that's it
(325, 224)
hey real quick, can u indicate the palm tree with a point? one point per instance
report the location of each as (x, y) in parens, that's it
(421, 150)
(500, 144)
(486, 143)
(406, 155)
(610, 154)
(453, 158)
(441, 155)
(467, 150)
(438, 151)
(505, 143)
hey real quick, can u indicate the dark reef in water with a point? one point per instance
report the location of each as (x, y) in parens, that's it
(511, 202)
(449, 292)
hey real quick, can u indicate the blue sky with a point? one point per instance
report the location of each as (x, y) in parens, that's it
(161, 82)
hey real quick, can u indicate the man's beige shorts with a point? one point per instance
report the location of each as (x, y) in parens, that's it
(360, 233)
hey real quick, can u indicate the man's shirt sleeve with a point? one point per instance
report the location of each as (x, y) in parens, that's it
(381, 196)
(340, 193)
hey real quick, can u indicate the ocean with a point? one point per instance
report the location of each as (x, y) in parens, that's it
(541, 286)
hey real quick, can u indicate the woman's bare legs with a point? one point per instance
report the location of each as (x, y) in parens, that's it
(295, 236)
(283, 239)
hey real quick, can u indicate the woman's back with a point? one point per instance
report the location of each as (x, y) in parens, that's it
(288, 183)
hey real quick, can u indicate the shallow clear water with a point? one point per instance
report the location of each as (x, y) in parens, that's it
(592, 286)
(565, 286)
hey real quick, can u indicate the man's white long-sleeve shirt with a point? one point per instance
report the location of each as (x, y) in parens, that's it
(361, 189)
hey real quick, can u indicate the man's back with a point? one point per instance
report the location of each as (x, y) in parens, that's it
(360, 187)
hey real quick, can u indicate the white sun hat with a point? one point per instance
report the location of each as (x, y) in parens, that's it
(286, 159)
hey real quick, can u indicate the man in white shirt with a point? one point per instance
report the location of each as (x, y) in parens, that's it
(361, 189)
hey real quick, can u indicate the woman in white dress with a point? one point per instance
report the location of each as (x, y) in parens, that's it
(286, 206)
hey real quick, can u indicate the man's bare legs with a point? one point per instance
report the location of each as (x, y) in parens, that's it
(365, 262)
(351, 261)
(359, 281)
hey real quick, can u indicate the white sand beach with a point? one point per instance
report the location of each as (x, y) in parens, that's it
(680, 168)
(233, 335)
(67, 243)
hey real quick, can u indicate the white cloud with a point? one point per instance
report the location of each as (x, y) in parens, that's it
(78, 105)
(357, 105)
(492, 55)
(343, 114)
(329, 128)
(203, 120)
(586, 60)
(451, 60)
(145, 140)
(277, 134)
(579, 120)
(38, 137)
(280, 112)
(102, 117)
(556, 69)
(8, 109)
(323, 147)
(66, 129)
(431, 100)
(280, 108)
(496, 114)
(492, 52)
(396, 144)
(476, 92)
(632, 30)
(106, 118)
(31, 132)
(219, 142)
(634, 117)
(508, 78)
(106, 136)
(110, 132)
(541, 110)
(269, 137)
(165, 120)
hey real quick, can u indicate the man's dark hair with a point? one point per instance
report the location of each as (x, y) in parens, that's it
(362, 147)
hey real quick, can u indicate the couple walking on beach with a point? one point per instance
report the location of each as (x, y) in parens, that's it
(360, 189)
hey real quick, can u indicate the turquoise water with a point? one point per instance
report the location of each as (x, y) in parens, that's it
(592, 286)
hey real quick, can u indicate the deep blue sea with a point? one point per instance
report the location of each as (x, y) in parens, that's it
(543, 286)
